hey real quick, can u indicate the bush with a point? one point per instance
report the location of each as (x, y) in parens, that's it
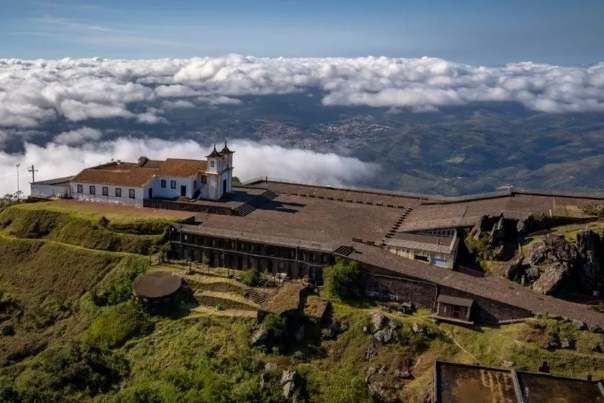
(72, 368)
(254, 278)
(116, 325)
(342, 280)
(275, 324)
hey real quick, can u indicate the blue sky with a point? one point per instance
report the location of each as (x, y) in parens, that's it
(477, 32)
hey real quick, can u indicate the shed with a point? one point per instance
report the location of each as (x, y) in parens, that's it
(157, 288)
(454, 309)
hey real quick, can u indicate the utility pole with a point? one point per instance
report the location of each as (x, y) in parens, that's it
(18, 187)
(33, 171)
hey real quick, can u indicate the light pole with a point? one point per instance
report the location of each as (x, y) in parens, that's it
(18, 189)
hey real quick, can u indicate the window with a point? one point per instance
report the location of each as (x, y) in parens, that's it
(131, 193)
(92, 190)
(80, 189)
(118, 192)
(105, 191)
(173, 184)
(212, 163)
(194, 184)
(204, 179)
(163, 183)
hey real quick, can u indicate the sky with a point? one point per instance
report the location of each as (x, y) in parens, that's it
(488, 33)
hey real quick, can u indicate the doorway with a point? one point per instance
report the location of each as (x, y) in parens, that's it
(224, 186)
(183, 190)
(150, 193)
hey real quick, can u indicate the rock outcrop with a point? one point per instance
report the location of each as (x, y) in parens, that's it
(555, 264)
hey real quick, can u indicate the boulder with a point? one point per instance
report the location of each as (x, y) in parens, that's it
(418, 327)
(330, 332)
(598, 348)
(371, 351)
(589, 270)
(394, 324)
(370, 371)
(580, 325)
(567, 344)
(552, 279)
(497, 236)
(377, 321)
(290, 380)
(344, 326)
(259, 338)
(526, 225)
(403, 374)
(384, 336)
(595, 329)
(507, 363)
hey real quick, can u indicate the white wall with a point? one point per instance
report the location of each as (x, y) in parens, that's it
(168, 192)
(111, 198)
(49, 190)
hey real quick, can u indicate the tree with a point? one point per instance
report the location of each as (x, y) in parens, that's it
(342, 280)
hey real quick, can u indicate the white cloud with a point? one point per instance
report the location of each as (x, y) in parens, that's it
(79, 136)
(33, 92)
(251, 160)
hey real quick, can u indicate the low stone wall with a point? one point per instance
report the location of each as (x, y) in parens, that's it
(186, 206)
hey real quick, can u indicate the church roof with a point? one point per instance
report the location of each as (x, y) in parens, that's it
(225, 149)
(214, 154)
(136, 174)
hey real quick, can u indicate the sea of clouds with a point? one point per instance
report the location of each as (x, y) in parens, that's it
(37, 92)
(252, 160)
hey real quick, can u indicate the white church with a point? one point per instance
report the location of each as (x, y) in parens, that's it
(130, 183)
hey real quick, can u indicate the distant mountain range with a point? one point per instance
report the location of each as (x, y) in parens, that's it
(455, 150)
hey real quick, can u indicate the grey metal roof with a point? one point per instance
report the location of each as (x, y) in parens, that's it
(447, 299)
(56, 181)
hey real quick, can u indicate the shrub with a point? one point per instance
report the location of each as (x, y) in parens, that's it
(116, 325)
(254, 278)
(342, 280)
(275, 324)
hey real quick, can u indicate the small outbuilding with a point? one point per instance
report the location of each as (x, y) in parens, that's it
(454, 309)
(158, 288)
(58, 187)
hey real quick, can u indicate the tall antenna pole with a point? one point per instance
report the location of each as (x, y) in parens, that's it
(18, 187)
(33, 171)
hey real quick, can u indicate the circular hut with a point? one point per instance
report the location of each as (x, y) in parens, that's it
(158, 289)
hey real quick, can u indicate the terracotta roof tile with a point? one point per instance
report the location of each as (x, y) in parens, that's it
(131, 174)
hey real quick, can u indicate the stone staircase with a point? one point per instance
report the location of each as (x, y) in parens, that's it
(255, 296)
(254, 203)
(398, 223)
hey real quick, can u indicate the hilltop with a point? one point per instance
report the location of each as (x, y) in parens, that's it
(66, 276)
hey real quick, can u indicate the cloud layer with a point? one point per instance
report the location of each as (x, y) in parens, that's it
(251, 160)
(39, 91)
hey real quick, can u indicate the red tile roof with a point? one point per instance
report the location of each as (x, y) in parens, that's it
(131, 174)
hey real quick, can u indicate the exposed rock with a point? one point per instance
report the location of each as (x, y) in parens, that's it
(403, 374)
(497, 236)
(384, 392)
(330, 332)
(595, 329)
(365, 329)
(369, 373)
(484, 223)
(8, 330)
(260, 337)
(589, 271)
(526, 225)
(385, 335)
(532, 274)
(553, 342)
(270, 366)
(507, 363)
(580, 325)
(394, 324)
(377, 321)
(371, 351)
(598, 348)
(290, 381)
(567, 344)
(552, 278)
(418, 327)
(344, 326)
(299, 335)
(383, 369)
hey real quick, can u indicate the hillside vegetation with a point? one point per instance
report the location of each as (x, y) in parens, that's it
(79, 336)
